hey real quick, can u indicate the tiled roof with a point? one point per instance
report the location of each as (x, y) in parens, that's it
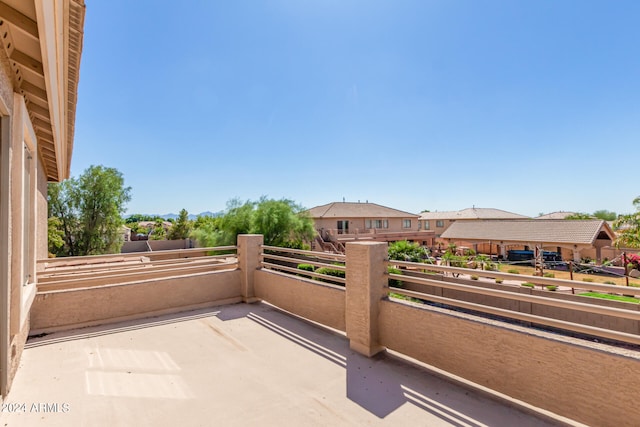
(472, 213)
(556, 215)
(357, 210)
(531, 230)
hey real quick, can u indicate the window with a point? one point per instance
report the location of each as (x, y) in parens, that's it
(406, 223)
(426, 225)
(377, 223)
(439, 223)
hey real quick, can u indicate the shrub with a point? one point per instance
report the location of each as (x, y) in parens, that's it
(306, 267)
(552, 288)
(550, 275)
(405, 251)
(513, 271)
(330, 272)
(474, 277)
(498, 281)
(587, 279)
(635, 285)
(528, 285)
(394, 282)
(609, 282)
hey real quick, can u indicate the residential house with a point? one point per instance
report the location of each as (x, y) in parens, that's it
(572, 239)
(438, 222)
(556, 215)
(39, 66)
(346, 221)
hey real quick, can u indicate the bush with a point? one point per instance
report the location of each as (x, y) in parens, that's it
(513, 271)
(474, 277)
(405, 251)
(609, 282)
(587, 279)
(306, 267)
(528, 285)
(331, 272)
(550, 275)
(498, 281)
(552, 288)
(394, 282)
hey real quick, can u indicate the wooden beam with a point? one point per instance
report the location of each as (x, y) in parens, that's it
(47, 147)
(44, 134)
(27, 61)
(41, 124)
(35, 91)
(26, 24)
(38, 110)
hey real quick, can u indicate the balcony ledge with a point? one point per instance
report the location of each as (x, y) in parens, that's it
(242, 364)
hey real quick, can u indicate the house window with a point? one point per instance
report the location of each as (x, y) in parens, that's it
(426, 225)
(406, 223)
(377, 223)
(439, 223)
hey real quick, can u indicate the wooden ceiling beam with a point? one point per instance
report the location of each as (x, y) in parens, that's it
(35, 91)
(41, 124)
(38, 110)
(26, 24)
(27, 62)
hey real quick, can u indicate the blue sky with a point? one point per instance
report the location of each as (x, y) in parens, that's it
(527, 106)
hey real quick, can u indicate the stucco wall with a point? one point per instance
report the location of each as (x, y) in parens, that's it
(6, 81)
(395, 224)
(42, 250)
(601, 386)
(307, 298)
(68, 309)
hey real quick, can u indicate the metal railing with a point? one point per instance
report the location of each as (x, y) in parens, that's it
(420, 276)
(81, 272)
(287, 260)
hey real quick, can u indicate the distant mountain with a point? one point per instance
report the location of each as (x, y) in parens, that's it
(206, 213)
(191, 216)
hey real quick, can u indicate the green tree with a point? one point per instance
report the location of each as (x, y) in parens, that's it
(579, 215)
(157, 231)
(281, 222)
(628, 228)
(139, 217)
(206, 231)
(89, 210)
(54, 235)
(405, 251)
(181, 226)
(605, 215)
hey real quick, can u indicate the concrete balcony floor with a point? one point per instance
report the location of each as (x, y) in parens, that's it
(236, 365)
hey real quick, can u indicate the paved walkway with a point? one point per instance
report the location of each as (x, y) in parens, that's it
(237, 365)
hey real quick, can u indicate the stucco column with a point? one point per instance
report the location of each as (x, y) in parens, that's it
(365, 287)
(576, 255)
(249, 250)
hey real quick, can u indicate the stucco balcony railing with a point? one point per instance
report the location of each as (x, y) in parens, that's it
(473, 330)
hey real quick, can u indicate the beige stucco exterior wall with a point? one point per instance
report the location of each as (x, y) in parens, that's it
(17, 298)
(322, 303)
(395, 224)
(69, 309)
(601, 386)
(42, 250)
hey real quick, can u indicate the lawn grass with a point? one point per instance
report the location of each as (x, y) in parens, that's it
(559, 274)
(609, 296)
